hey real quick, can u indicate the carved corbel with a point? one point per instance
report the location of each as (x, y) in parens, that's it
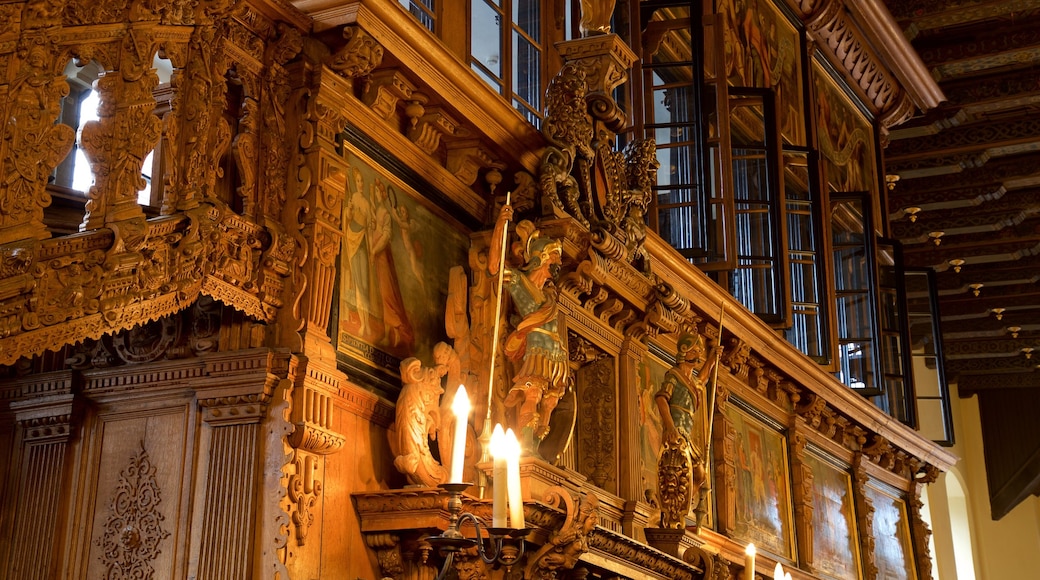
(811, 409)
(430, 127)
(736, 358)
(358, 57)
(384, 89)
(880, 451)
(387, 547)
(466, 157)
(570, 541)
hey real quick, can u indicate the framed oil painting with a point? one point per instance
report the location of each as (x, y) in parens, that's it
(893, 549)
(763, 494)
(835, 542)
(393, 283)
(763, 50)
(846, 136)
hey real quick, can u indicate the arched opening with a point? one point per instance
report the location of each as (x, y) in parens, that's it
(960, 526)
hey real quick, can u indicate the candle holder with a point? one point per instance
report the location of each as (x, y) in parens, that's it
(504, 546)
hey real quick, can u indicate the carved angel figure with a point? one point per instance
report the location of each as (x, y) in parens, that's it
(682, 469)
(418, 420)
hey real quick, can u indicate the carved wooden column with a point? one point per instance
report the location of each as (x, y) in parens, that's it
(39, 484)
(921, 533)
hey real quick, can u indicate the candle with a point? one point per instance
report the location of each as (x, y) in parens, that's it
(516, 504)
(458, 455)
(787, 576)
(749, 562)
(499, 478)
(778, 572)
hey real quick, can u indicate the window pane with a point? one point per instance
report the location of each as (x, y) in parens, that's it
(527, 17)
(527, 78)
(486, 40)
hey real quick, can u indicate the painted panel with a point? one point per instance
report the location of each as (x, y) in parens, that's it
(835, 545)
(763, 50)
(763, 498)
(893, 550)
(393, 279)
(846, 137)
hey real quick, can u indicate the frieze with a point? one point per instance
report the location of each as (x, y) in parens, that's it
(632, 553)
(46, 428)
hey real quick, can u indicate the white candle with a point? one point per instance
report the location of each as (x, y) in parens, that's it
(778, 572)
(499, 477)
(516, 504)
(787, 576)
(749, 562)
(460, 406)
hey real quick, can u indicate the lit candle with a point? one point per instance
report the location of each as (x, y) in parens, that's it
(749, 562)
(516, 504)
(458, 455)
(499, 477)
(787, 576)
(778, 572)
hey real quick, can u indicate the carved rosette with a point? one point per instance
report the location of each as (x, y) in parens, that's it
(132, 532)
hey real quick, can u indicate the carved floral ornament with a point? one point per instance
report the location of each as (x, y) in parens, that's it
(123, 271)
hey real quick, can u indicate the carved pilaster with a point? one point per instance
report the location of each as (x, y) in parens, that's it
(631, 357)
(725, 476)
(45, 424)
(233, 474)
(864, 516)
(597, 415)
(802, 493)
(920, 531)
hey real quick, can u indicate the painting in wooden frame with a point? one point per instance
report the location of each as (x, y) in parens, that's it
(393, 284)
(893, 548)
(763, 50)
(835, 545)
(763, 487)
(845, 134)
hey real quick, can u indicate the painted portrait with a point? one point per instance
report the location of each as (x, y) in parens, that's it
(763, 51)
(763, 494)
(846, 137)
(835, 545)
(393, 283)
(893, 550)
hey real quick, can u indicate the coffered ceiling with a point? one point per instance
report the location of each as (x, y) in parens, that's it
(967, 205)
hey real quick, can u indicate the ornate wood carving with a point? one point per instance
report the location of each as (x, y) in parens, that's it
(802, 495)
(864, 516)
(597, 417)
(133, 531)
(567, 543)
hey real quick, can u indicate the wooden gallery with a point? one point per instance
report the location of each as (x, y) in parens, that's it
(273, 273)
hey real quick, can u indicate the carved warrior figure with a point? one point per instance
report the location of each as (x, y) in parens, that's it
(682, 467)
(419, 419)
(534, 346)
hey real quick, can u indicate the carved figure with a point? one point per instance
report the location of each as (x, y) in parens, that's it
(534, 346)
(568, 127)
(682, 470)
(417, 421)
(642, 164)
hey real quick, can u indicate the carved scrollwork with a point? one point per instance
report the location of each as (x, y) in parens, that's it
(133, 532)
(359, 56)
(304, 490)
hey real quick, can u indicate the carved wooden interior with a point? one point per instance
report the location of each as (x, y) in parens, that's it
(190, 390)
